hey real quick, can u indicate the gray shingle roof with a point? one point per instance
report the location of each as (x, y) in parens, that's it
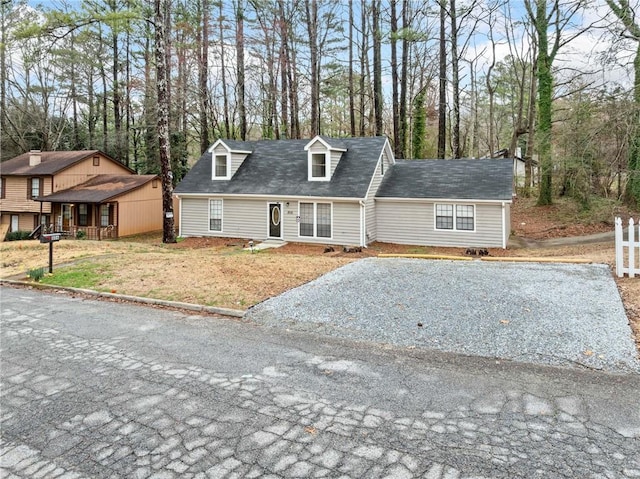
(482, 179)
(279, 167)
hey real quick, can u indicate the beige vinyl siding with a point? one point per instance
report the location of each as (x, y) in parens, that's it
(140, 211)
(16, 195)
(241, 218)
(370, 205)
(84, 170)
(335, 159)
(507, 218)
(236, 161)
(412, 222)
(248, 218)
(345, 223)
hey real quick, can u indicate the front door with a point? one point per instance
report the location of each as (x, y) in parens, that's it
(66, 217)
(275, 220)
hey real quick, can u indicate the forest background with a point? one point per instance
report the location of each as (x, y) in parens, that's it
(557, 82)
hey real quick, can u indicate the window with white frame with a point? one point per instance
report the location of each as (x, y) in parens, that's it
(215, 215)
(455, 217)
(319, 168)
(220, 166)
(315, 220)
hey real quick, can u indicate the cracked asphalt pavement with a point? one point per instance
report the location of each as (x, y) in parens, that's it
(95, 389)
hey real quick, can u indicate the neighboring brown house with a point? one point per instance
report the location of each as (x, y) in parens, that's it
(72, 191)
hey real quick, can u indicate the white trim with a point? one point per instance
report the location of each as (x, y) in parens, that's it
(180, 216)
(326, 145)
(214, 157)
(315, 220)
(363, 224)
(504, 226)
(327, 166)
(441, 200)
(435, 217)
(221, 230)
(308, 199)
(279, 203)
(221, 142)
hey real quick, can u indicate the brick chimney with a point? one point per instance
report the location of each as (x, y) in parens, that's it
(35, 157)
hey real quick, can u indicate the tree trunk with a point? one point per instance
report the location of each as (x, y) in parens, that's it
(311, 8)
(377, 67)
(352, 93)
(455, 83)
(404, 123)
(168, 232)
(364, 48)
(442, 103)
(223, 77)
(395, 107)
(284, 70)
(545, 95)
(240, 70)
(202, 44)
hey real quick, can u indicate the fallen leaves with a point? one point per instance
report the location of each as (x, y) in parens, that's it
(310, 430)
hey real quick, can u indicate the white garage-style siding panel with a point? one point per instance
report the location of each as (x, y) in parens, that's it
(408, 222)
(244, 219)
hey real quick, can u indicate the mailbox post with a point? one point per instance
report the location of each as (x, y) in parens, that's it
(50, 238)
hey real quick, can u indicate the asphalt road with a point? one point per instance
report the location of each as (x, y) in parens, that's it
(98, 389)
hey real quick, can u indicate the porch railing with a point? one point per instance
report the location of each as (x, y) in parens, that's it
(91, 232)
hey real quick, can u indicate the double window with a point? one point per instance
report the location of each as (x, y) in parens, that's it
(215, 215)
(455, 217)
(315, 220)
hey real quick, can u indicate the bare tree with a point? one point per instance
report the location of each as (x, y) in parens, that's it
(162, 77)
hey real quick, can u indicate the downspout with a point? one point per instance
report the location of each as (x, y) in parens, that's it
(363, 224)
(179, 216)
(504, 226)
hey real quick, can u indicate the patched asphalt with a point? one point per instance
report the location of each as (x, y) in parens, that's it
(552, 314)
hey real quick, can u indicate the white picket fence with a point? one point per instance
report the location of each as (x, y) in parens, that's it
(632, 245)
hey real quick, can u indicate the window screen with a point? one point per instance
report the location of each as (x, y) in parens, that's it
(221, 165)
(306, 219)
(444, 217)
(464, 217)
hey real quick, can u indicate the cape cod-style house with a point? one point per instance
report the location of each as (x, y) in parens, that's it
(347, 191)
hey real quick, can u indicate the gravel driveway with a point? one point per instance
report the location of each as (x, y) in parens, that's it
(559, 314)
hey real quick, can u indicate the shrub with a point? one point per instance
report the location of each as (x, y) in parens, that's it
(81, 234)
(36, 274)
(17, 235)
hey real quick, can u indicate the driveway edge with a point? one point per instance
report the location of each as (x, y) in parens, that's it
(235, 313)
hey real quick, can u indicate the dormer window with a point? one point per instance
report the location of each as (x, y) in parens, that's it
(318, 165)
(221, 167)
(323, 157)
